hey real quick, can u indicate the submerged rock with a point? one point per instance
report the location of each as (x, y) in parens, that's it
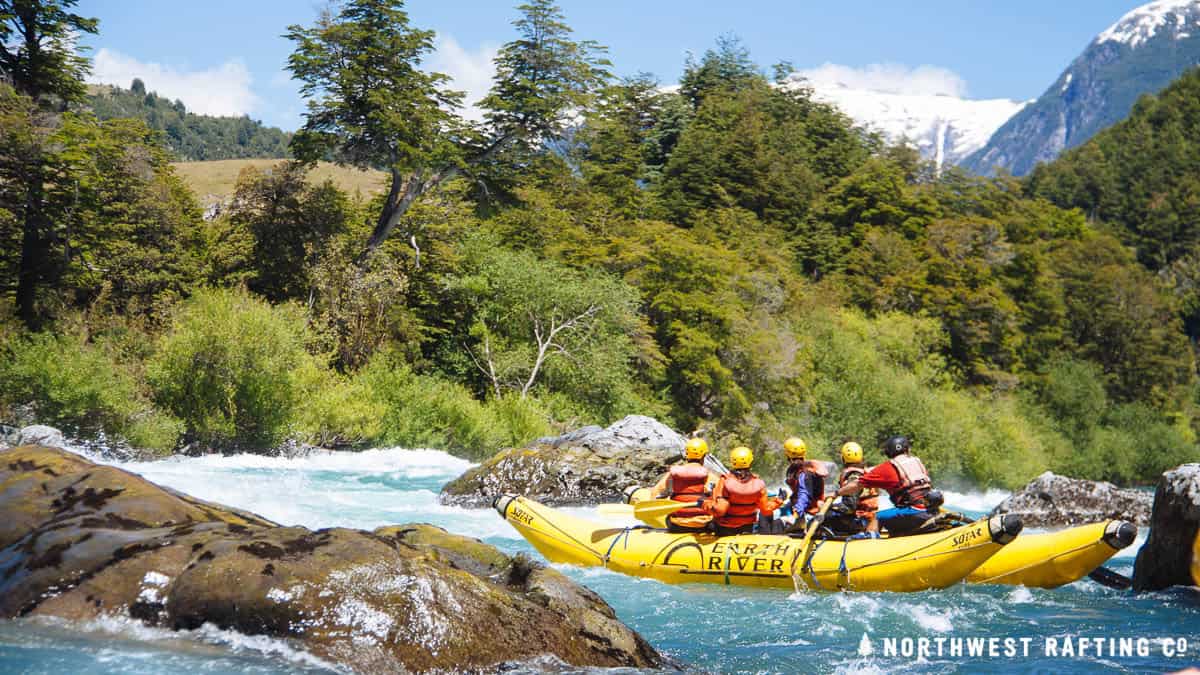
(1051, 500)
(587, 466)
(1171, 554)
(81, 540)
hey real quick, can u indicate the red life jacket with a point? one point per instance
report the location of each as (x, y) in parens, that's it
(868, 499)
(914, 482)
(688, 482)
(743, 499)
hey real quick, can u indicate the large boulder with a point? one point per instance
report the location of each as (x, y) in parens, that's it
(1051, 500)
(81, 541)
(1171, 554)
(587, 466)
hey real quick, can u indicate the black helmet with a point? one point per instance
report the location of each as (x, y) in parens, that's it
(896, 445)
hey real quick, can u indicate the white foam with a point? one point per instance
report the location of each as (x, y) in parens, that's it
(979, 502)
(933, 620)
(131, 629)
(411, 462)
(1020, 595)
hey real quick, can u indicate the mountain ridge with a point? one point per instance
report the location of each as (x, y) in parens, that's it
(1141, 53)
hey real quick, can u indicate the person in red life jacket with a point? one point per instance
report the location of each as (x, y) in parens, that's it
(740, 496)
(805, 479)
(866, 504)
(906, 481)
(688, 482)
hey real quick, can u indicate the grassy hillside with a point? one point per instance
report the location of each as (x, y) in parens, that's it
(214, 181)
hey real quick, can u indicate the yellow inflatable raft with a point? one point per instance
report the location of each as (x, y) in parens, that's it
(912, 563)
(1053, 559)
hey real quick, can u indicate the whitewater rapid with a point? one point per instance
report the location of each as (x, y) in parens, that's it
(714, 628)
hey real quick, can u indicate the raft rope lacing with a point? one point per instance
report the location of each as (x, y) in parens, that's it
(624, 533)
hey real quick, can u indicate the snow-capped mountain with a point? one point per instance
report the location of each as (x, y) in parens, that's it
(945, 128)
(1139, 54)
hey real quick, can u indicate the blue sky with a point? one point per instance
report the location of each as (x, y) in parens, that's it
(227, 57)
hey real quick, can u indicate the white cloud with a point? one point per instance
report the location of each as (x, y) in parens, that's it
(222, 90)
(471, 71)
(890, 78)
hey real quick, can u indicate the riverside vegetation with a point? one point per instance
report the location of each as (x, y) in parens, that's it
(729, 255)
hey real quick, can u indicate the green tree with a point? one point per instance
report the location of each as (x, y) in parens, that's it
(537, 325)
(372, 106)
(727, 68)
(128, 228)
(770, 151)
(38, 54)
(1118, 317)
(291, 222)
(114, 220)
(38, 57)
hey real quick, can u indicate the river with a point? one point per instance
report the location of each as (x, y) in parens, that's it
(711, 628)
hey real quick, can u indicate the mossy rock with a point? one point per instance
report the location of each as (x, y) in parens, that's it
(86, 541)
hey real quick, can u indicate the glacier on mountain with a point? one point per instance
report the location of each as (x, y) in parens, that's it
(943, 127)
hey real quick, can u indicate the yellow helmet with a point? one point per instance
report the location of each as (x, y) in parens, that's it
(795, 448)
(852, 453)
(741, 458)
(696, 448)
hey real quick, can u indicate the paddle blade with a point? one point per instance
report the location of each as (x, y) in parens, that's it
(615, 509)
(657, 508)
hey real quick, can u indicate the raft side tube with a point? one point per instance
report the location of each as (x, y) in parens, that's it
(1052, 559)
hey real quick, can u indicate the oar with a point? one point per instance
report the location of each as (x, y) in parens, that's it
(658, 508)
(1106, 577)
(805, 546)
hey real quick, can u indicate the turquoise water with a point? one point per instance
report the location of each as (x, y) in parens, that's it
(717, 629)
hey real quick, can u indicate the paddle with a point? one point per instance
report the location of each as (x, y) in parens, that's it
(658, 508)
(1106, 577)
(806, 545)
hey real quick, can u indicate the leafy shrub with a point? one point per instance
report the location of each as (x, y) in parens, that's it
(424, 411)
(230, 367)
(155, 430)
(336, 410)
(78, 385)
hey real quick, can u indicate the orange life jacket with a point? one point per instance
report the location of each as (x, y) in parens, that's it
(743, 497)
(868, 499)
(688, 482)
(914, 481)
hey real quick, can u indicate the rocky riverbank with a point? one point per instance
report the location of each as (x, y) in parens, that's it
(82, 540)
(587, 466)
(1051, 500)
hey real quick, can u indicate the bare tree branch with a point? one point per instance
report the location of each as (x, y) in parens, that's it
(490, 371)
(546, 342)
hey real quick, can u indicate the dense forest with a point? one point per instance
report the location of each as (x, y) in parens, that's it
(729, 256)
(188, 136)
